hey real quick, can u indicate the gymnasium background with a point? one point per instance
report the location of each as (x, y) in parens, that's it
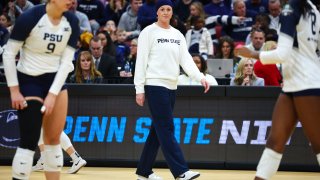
(224, 129)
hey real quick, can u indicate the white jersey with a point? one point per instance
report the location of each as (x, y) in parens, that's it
(44, 47)
(301, 66)
(44, 42)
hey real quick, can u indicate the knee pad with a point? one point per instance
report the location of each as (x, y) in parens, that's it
(268, 164)
(22, 163)
(30, 121)
(65, 141)
(318, 158)
(53, 158)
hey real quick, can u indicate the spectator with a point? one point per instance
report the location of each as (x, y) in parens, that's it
(225, 48)
(123, 50)
(13, 11)
(184, 79)
(198, 38)
(245, 75)
(128, 20)
(268, 72)
(115, 9)
(5, 21)
(104, 63)
(239, 32)
(259, 6)
(181, 9)
(196, 9)
(257, 40)
(274, 7)
(218, 7)
(85, 71)
(108, 46)
(262, 22)
(178, 24)
(111, 28)
(131, 60)
(147, 13)
(83, 18)
(23, 5)
(94, 9)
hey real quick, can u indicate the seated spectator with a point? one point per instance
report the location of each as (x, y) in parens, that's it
(128, 20)
(262, 23)
(196, 9)
(178, 24)
(85, 71)
(274, 7)
(218, 7)
(239, 32)
(13, 11)
(245, 75)
(269, 72)
(225, 48)
(111, 28)
(198, 38)
(131, 60)
(123, 50)
(105, 63)
(114, 10)
(23, 5)
(108, 46)
(257, 40)
(259, 6)
(202, 65)
(5, 21)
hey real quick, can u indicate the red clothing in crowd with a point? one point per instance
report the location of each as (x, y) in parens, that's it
(269, 73)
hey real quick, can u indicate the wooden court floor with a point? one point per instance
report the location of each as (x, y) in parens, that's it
(107, 173)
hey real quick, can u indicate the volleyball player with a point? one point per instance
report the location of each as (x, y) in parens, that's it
(46, 37)
(300, 98)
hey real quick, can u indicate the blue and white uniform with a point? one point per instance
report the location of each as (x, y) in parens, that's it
(299, 39)
(45, 48)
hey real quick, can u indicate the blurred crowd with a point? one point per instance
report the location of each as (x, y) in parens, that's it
(107, 46)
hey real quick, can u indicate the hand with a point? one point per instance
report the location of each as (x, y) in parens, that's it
(241, 19)
(246, 81)
(48, 104)
(140, 99)
(125, 74)
(205, 84)
(17, 100)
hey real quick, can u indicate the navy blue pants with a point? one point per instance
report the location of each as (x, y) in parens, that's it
(161, 102)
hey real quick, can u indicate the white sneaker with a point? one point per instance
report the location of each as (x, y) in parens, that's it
(39, 166)
(152, 176)
(76, 166)
(189, 175)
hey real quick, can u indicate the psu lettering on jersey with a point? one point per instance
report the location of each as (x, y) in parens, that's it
(52, 37)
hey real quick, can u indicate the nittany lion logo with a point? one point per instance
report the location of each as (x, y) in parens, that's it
(9, 129)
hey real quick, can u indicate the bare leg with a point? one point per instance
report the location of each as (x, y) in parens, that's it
(284, 120)
(309, 115)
